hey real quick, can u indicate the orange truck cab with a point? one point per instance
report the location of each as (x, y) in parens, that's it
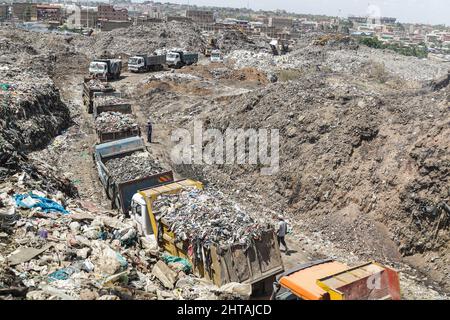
(332, 280)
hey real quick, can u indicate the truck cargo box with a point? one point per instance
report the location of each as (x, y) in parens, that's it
(121, 193)
(90, 86)
(111, 101)
(107, 136)
(256, 265)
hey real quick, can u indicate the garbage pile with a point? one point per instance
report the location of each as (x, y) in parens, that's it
(230, 40)
(98, 85)
(115, 121)
(47, 254)
(145, 38)
(109, 100)
(346, 60)
(31, 110)
(136, 166)
(170, 76)
(209, 217)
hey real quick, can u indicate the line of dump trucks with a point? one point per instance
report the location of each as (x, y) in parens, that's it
(222, 242)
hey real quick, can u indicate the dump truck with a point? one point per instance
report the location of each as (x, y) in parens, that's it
(110, 101)
(216, 56)
(257, 264)
(331, 280)
(143, 63)
(107, 69)
(112, 135)
(121, 193)
(90, 86)
(177, 59)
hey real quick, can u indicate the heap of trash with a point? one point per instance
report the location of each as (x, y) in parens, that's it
(136, 166)
(110, 100)
(54, 247)
(96, 84)
(143, 38)
(115, 121)
(208, 216)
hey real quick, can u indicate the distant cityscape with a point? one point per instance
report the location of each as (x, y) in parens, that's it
(273, 24)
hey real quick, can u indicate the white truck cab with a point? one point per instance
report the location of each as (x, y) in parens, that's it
(216, 56)
(173, 58)
(136, 63)
(139, 214)
(98, 68)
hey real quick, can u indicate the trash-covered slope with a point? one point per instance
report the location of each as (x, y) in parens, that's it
(365, 165)
(31, 112)
(143, 39)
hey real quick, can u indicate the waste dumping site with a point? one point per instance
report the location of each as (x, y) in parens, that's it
(92, 209)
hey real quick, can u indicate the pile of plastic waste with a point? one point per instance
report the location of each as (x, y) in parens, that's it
(135, 166)
(208, 216)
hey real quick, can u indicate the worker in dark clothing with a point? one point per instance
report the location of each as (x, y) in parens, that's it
(149, 132)
(281, 233)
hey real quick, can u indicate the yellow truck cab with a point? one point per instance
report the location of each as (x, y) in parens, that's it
(256, 265)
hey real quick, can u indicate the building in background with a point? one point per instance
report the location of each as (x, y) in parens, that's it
(4, 12)
(108, 25)
(88, 17)
(280, 22)
(47, 12)
(200, 16)
(108, 12)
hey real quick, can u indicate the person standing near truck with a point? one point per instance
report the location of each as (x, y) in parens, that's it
(149, 131)
(281, 233)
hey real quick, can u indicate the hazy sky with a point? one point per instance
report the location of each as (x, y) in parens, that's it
(425, 11)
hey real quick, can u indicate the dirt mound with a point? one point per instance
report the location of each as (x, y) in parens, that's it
(368, 167)
(233, 40)
(142, 39)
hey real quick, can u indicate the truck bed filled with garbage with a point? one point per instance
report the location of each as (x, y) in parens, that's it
(208, 217)
(98, 85)
(108, 100)
(115, 121)
(135, 166)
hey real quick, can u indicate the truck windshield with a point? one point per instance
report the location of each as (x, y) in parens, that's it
(97, 66)
(172, 55)
(135, 61)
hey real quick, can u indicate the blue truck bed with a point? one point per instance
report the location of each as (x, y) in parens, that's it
(120, 194)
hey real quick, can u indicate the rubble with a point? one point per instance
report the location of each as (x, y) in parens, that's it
(346, 60)
(98, 85)
(209, 217)
(230, 40)
(135, 166)
(31, 110)
(164, 274)
(107, 100)
(146, 38)
(115, 121)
